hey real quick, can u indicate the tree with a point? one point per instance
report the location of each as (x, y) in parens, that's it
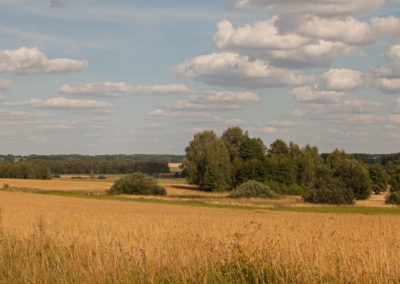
(233, 139)
(207, 155)
(278, 147)
(378, 178)
(252, 148)
(351, 172)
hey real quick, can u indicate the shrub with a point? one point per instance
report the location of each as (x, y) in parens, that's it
(393, 198)
(253, 188)
(101, 177)
(6, 186)
(329, 191)
(281, 188)
(56, 176)
(137, 183)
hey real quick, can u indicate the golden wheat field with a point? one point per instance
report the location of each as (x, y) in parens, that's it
(50, 239)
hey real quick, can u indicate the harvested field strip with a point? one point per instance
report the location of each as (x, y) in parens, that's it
(69, 185)
(324, 210)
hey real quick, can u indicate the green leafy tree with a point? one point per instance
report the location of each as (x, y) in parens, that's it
(206, 154)
(233, 138)
(278, 147)
(378, 178)
(252, 148)
(351, 172)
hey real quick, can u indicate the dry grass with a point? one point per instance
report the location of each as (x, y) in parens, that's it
(56, 184)
(51, 239)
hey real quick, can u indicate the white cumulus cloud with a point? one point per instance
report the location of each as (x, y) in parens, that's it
(386, 27)
(262, 35)
(348, 30)
(308, 94)
(61, 103)
(120, 89)
(342, 79)
(26, 61)
(325, 8)
(231, 69)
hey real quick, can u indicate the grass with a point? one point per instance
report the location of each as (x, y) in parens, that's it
(53, 239)
(342, 210)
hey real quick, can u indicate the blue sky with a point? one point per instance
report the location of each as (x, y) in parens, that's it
(97, 77)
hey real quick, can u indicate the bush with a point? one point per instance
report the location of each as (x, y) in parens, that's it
(293, 189)
(393, 198)
(253, 188)
(6, 186)
(137, 183)
(101, 177)
(329, 191)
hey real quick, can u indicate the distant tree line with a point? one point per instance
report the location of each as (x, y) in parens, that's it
(44, 169)
(224, 163)
(135, 157)
(24, 170)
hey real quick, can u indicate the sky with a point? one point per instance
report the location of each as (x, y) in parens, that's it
(129, 77)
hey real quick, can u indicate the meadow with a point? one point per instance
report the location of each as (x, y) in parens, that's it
(57, 239)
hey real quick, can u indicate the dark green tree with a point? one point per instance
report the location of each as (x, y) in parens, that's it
(378, 178)
(252, 148)
(233, 138)
(206, 154)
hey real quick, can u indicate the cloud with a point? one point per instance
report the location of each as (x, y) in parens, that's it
(231, 69)
(26, 61)
(325, 8)
(310, 95)
(394, 118)
(81, 124)
(388, 85)
(38, 139)
(185, 116)
(20, 118)
(188, 105)
(319, 54)
(347, 30)
(357, 106)
(57, 3)
(214, 100)
(298, 112)
(387, 79)
(262, 35)
(121, 89)
(342, 79)
(61, 103)
(225, 97)
(388, 27)
(5, 85)
(282, 123)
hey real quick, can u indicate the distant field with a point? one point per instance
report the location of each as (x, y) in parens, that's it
(47, 239)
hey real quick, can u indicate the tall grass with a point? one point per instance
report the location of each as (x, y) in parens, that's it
(50, 239)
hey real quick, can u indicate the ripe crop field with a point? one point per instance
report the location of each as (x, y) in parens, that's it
(48, 239)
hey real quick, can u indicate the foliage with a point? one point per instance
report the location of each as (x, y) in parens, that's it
(393, 198)
(253, 188)
(351, 173)
(137, 183)
(252, 148)
(233, 139)
(24, 170)
(207, 162)
(378, 178)
(329, 191)
(284, 189)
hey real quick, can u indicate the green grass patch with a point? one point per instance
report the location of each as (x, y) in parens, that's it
(144, 200)
(172, 181)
